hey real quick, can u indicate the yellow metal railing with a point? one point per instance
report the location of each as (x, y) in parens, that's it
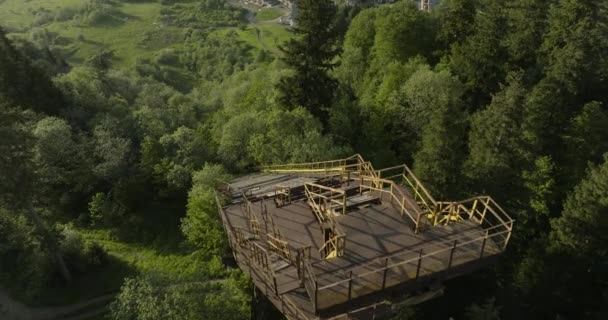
(325, 202)
(437, 213)
(328, 200)
(353, 163)
(319, 166)
(404, 174)
(396, 197)
(282, 195)
(483, 210)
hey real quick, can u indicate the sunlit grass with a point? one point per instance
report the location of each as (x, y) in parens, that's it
(266, 14)
(265, 36)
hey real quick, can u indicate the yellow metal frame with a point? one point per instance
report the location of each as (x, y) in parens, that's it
(436, 212)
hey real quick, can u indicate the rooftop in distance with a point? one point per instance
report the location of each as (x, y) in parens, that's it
(336, 239)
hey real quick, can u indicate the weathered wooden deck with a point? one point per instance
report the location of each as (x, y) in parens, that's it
(381, 249)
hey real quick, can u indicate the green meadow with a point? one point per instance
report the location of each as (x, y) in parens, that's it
(130, 30)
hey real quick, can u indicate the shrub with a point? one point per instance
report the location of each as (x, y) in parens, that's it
(78, 254)
(65, 14)
(167, 56)
(42, 18)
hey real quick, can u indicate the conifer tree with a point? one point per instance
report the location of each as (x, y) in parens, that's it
(310, 55)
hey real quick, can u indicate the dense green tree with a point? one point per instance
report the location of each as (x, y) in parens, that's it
(291, 137)
(111, 150)
(311, 55)
(570, 264)
(183, 152)
(586, 140)
(573, 64)
(540, 183)
(202, 225)
(150, 297)
(496, 151)
(402, 32)
(573, 46)
(526, 22)
(456, 21)
(23, 263)
(479, 60)
(19, 182)
(358, 44)
(435, 101)
(23, 85)
(234, 138)
(62, 164)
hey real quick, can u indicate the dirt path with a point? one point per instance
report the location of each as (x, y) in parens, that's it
(15, 310)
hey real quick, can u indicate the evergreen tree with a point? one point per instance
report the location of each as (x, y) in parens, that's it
(456, 21)
(439, 160)
(479, 60)
(586, 140)
(574, 73)
(311, 55)
(495, 146)
(526, 22)
(564, 275)
(23, 85)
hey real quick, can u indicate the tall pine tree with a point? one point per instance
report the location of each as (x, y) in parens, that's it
(311, 55)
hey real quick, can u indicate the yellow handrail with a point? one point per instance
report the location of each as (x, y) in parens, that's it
(377, 184)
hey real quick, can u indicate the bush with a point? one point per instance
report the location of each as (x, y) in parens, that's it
(95, 254)
(167, 56)
(78, 254)
(66, 13)
(42, 18)
(24, 267)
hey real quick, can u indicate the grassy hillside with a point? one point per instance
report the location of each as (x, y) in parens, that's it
(131, 30)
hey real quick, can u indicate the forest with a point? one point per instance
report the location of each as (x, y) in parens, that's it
(117, 118)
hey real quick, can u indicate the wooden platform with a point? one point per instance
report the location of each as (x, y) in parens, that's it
(381, 252)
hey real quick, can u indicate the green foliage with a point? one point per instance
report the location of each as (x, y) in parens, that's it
(202, 226)
(22, 262)
(456, 21)
(402, 32)
(436, 106)
(291, 137)
(101, 60)
(97, 208)
(16, 155)
(405, 312)
(80, 255)
(573, 257)
(527, 21)
(581, 228)
(520, 82)
(586, 140)
(221, 56)
(149, 297)
(203, 14)
(23, 85)
(311, 57)
(495, 144)
(267, 14)
(479, 60)
(111, 150)
(540, 185)
(61, 162)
